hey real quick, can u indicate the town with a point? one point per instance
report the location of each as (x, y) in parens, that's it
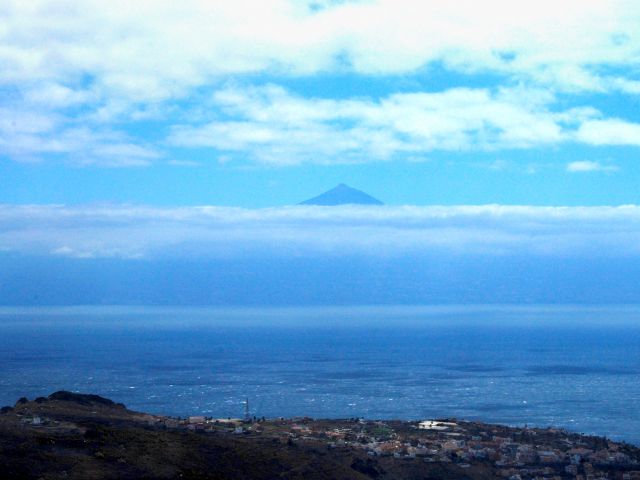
(513, 453)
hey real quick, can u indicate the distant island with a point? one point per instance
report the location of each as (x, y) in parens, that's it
(80, 436)
(343, 195)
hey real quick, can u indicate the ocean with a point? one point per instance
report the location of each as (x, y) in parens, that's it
(574, 367)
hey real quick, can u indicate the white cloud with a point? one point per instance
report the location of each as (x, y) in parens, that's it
(34, 136)
(153, 50)
(590, 166)
(54, 95)
(21, 122)
(126, 231)
(609, 132)
(273, 126)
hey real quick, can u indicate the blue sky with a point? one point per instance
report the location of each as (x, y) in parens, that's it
(151, 130)
(231, 103)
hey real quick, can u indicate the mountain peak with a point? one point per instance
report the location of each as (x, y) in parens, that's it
(343, 194)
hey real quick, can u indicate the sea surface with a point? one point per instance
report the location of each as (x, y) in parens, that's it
(574, 367)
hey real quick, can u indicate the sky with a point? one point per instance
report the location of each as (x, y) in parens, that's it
(259, 104)
(150, 131)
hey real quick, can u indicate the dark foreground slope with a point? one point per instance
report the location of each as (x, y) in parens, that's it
(75, 436)
(85, 437)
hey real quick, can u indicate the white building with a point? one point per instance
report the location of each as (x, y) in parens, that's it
(435, 425)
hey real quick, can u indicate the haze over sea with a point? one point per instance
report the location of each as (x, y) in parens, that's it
(576, 367)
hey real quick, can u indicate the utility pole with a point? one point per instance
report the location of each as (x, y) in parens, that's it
(247, 417)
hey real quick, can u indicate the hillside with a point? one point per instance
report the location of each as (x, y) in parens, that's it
(76, 436)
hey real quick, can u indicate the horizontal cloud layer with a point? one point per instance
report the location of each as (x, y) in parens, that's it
(214, 232)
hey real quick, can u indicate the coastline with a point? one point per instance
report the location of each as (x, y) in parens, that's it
(70, 435)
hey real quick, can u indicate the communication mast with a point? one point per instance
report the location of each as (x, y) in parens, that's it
(247, 416)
